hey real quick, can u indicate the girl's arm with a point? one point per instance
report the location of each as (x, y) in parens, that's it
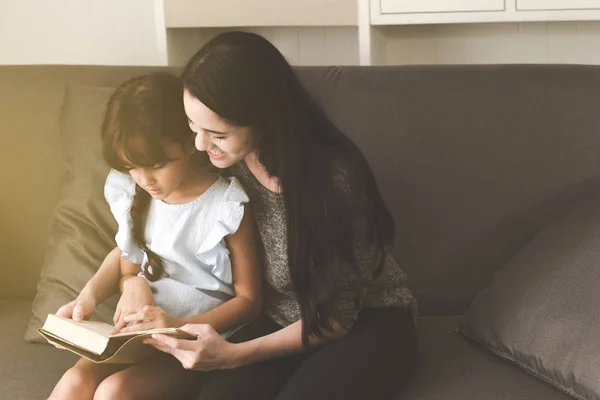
(247, 284)
(129, 270)
(247, 281)
(101, 286)
(105, 281)
(136, 294)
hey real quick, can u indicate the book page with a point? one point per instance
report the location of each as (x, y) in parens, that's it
(90, 335)
(97, 327)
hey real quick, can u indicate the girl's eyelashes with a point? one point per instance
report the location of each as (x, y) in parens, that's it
(129, 168)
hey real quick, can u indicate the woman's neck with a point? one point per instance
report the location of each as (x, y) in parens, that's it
(260, 173)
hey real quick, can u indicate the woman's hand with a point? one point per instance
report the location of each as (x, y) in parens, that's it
(79, 309)
(136, 295)
(149, 317)
(208, 352)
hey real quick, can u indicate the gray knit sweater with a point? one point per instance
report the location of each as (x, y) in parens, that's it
(389, 289)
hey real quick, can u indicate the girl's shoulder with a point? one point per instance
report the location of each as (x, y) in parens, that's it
(119, 187)
(228, 212)
(221, 199)
(231, 190)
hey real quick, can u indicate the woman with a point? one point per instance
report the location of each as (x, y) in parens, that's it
(339, 315)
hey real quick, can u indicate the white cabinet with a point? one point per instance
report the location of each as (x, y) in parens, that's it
(427, 12)
(433, 6)
(539, 5)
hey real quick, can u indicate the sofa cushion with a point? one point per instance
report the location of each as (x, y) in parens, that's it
(27, 371)
(541, 311)
(83, 228)
(451, 368)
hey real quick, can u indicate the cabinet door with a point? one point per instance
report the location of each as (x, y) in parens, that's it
(537, 5)
(440, 6)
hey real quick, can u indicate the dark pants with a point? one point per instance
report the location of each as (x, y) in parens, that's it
(371, 361)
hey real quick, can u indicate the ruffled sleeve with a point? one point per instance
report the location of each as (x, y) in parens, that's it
(119, 191)
(229, 216)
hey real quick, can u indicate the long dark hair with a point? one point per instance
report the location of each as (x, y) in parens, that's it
(325, 180)
(142, 116)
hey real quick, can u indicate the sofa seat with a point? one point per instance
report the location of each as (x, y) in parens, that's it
(453, 368)
(450, 367)
(28, 371)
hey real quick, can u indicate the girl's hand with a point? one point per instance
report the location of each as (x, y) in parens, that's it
(136, 295)
(79, 309)
(208, 352)
(149, 317)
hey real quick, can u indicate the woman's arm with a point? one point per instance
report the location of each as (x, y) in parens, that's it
(282, 343)
(209, 351)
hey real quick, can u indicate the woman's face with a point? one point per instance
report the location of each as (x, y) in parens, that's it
(224, 143)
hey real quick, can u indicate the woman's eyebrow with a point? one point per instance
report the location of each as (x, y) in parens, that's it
(215, 132)
(208, 130)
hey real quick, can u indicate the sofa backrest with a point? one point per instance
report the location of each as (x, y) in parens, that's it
(471, 160)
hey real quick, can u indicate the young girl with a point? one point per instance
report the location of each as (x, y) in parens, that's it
(186, 238)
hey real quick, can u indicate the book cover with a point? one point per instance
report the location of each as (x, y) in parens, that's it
(93, 341)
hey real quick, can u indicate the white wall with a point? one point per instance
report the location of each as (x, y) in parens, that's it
(108, 32)
(131, 32)
(300, 45)
(531, 42)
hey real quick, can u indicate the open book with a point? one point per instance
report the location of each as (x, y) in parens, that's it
(92, 340)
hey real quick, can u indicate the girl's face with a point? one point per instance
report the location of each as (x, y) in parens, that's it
(167, 181)
(225, 144)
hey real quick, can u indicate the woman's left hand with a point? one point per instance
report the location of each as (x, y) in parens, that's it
(153, 317)
(208, 352)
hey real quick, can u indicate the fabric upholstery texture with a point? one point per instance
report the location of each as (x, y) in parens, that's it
(541, 311)
(83, 228)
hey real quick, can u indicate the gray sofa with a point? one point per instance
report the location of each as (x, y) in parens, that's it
(472, 161)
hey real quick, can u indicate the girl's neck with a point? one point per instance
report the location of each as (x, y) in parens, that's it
(260, 173)
(196, 182)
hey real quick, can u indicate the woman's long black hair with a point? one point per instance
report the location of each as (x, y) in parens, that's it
(329, 192)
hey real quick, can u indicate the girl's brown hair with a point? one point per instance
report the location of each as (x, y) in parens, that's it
(142, 116)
